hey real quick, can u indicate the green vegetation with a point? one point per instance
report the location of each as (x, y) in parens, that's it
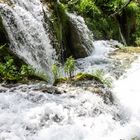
(69, 66)
(85, 76)
(60, 80)
(59, 22)
(137, 41)
(117, 17)
(99, 74)
(13, 69)
(10, 72)
(55, 71)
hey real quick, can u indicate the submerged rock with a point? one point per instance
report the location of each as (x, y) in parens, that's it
(121, 60)
(95, 87)
(90, 83)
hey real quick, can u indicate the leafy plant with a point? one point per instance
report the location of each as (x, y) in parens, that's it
(55, 71)
(88, 7)
(26, 70)
(69, 66)
(101, 75)
(10, 72)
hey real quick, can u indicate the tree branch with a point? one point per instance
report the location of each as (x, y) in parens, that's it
(116, 12)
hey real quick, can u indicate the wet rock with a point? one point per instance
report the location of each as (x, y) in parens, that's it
(10, 85)
(121, 60)
(51, 90)
(96, 88)
(80, 38)
(48, 89)
(2, 90)
(92, 86)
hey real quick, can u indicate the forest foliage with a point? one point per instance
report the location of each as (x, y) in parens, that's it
(109, 18)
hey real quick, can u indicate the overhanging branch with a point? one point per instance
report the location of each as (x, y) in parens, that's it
(118, 11)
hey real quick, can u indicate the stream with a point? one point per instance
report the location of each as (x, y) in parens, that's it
(30, 114)
(27, 113)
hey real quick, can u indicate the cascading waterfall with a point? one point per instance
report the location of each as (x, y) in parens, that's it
(28, 33)
(27, 113)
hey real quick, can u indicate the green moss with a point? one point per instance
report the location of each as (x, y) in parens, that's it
(97, 77)
(85, 76)
(60, 80)
(60, 22)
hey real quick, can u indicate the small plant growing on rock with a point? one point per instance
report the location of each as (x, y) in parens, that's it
(55, 71)
(101, 75)
(69, 66)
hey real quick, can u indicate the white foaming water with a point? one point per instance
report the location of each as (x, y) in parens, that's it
(32, 115)
(26, 113)
(99, 57)
(28, 33)
(103, 48)
(29, 114)
(127, 93)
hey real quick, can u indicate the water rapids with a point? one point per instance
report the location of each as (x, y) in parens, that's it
(30, 114)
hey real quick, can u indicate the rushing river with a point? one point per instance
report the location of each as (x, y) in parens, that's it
(29, 114)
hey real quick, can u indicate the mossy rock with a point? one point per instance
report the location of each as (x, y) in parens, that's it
(70, 37)
(130, 49)
(60, 80)
(77, 78)
(86, 76)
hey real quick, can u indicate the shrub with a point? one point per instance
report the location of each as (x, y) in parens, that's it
(10, 72)
(88, 7)
(26, 70)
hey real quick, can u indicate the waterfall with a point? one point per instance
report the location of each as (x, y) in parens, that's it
(28, 33)
(29, 112)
